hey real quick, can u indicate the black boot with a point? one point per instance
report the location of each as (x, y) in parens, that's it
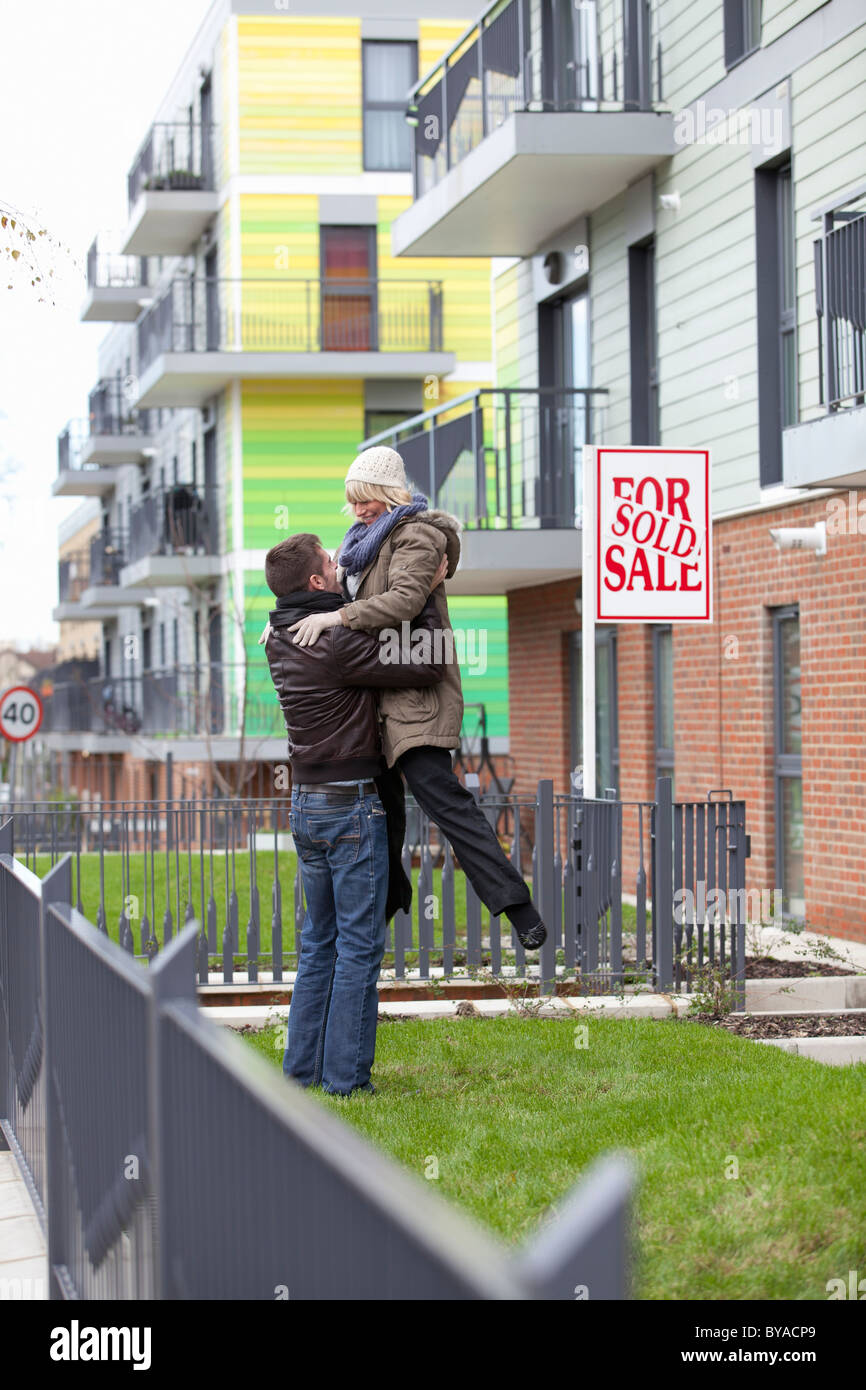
(531, 931)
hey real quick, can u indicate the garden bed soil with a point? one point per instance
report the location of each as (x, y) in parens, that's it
(766, 968)
(792, 1025)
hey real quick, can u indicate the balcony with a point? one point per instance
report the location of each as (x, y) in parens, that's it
(117, 289)
(203, 334)
(507, 462)
(87, 581)
(171, 190)
(90, 451)
(830, 451)
(187, 707)
(529, 122)
(77, 474)
(173, 539)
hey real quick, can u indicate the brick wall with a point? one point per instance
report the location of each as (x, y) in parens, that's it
(723, 696)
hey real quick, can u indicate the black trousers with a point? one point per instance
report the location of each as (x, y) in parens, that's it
(454, 809)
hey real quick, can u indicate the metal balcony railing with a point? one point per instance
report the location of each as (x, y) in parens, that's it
(108, 268)
(209, 315)
(840, 302)
(180, 520)
(178, 702)
(110, 412)
(503, 458)
(175, 156)
(73, 575)
(516, 59)
(107, 557)
(70, 444)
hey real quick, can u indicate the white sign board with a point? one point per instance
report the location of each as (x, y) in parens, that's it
(20, 713)
(653, 534)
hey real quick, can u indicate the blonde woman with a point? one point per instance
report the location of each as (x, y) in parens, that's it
(388, 561)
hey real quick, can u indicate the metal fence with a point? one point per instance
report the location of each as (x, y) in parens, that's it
(514, 59)
(182, 519)
(504, 457)
(166, 1160)
(143, 869)
(175, 156)
(840, 303)
(109, 268)
(200, 314)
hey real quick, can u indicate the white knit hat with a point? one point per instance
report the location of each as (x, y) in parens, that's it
(379, 465)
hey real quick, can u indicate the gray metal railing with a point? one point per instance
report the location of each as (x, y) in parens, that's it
(108, 268)
(107, 557)
(131, 1117)
(336, 315)
(182, 519)
(840, 303)
(73, 576)
(70, 445)
(584, 859)
(188, 701)
(175, 156)
(503, 457)
(109, 411)
(514, 59)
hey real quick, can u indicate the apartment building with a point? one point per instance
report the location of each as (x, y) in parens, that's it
(673, 193)
(260, 327)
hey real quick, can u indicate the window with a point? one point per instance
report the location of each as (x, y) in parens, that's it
(788, 726)
(375, 421)
(348, 301)
(663, 699)
(777, 315)
(606, 718)
(643, 344)
(389, 69)
(742, 29)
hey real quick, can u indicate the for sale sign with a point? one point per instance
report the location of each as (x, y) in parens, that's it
(653, 535)
(20, 713)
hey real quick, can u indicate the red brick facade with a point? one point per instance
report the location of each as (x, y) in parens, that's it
(724, 696)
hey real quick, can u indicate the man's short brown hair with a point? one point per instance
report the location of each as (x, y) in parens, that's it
(289, 565)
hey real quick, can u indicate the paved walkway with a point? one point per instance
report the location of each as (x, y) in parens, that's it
(23, 1256)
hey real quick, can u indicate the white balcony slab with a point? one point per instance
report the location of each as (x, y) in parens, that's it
(170, 571)
(110, 449)
(86, 742)
(536, 173)
(168, 223)
(77, 613)
(828, 452)
(110, 597)
(114, 303)
(191, 378)
(85, 482)
(494, 562)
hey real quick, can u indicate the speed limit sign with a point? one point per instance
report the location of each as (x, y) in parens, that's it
(20, 713)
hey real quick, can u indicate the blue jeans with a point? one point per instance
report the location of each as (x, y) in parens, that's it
(343, 860)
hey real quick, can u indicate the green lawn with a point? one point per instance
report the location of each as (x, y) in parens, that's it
(514, 1112)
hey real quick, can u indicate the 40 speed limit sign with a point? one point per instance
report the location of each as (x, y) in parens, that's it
(20, 713)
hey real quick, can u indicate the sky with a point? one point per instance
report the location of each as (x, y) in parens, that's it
(80, 83)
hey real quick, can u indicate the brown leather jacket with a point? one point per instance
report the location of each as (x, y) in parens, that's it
(327, 691)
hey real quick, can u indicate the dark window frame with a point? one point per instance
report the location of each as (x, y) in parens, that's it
(743, 23)
(643, 343)
(785, 765)
(605, 648)
(776, 322)
(370, 104)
